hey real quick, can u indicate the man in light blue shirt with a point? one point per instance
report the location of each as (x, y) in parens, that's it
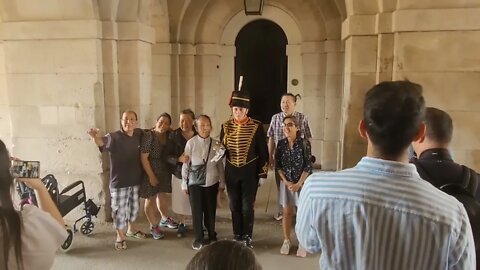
(380, 214)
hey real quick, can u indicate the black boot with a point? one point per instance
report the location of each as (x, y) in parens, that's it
(237, 238)
(248, 241)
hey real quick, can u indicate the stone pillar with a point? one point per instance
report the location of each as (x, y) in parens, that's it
(330, 158)
(359, 76)
(135, 69)
(227, 71)
(439, 48)
(54, 79)
(208, 89)
(161, 80)
(312, 103)
(186, 78)
(5, 120)
(110, 76)
(322, 80)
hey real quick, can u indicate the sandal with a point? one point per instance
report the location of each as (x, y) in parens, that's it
(119, 245)
(137, 234)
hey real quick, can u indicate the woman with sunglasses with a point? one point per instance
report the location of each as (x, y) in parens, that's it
(293, 165)
(275, 133)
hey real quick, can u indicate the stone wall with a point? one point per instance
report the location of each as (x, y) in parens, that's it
(434, 43)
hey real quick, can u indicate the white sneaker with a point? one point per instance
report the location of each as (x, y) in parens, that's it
(285, 249)
(278, 216)
(301, 252)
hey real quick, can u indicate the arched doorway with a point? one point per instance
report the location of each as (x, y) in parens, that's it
(262, 60)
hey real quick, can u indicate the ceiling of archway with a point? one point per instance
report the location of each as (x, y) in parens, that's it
(204, 21)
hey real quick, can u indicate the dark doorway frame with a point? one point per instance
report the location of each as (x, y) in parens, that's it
(261, 59)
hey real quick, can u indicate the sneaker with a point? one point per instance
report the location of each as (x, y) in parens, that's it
(278, 216)
(182, 229)
(285, 249)
(248, 241)
(169, 222)
(156, 233)
(197, 245)
(301, 252)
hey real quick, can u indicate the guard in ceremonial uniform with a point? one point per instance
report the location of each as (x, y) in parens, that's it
(246, 164)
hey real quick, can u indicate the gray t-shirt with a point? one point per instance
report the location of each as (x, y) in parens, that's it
(125, 165)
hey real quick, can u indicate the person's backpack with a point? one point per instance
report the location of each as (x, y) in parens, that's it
(464, 192)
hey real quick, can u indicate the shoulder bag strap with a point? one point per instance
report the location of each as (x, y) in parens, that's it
(208, 154)
(469, 181)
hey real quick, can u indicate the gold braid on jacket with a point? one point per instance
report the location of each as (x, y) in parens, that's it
(238, 140)
(246, 143)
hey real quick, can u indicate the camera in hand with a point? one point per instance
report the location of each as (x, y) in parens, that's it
(25, 169)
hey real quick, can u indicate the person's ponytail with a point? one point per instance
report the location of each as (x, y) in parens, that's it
(294, 96)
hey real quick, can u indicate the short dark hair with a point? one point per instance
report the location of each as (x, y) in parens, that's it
(291, 117)
(203, 116)
(392, 113)
(224, 255)
(439, 125)
(188, 112)
(165, 114)
(195, 123)
(132, 112)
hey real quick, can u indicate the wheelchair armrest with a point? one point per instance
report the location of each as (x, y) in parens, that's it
(72, 186)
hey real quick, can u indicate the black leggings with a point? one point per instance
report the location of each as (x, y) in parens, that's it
(203, 201)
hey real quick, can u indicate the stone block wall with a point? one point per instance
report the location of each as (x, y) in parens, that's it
(54, 91)
(434, 43)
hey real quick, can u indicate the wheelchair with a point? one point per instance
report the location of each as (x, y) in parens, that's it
(68, 199)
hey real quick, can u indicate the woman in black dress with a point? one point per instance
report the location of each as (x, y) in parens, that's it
(155, 149)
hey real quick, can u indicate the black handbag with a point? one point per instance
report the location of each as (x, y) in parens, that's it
(197, 174)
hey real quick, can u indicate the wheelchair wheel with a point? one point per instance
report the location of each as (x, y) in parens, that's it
(87, 227)
(68, 242)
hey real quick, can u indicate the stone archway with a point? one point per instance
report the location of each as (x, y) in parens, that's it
(227, 51)
(262, 61)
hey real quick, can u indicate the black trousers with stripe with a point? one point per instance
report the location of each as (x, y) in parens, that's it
(242, 185)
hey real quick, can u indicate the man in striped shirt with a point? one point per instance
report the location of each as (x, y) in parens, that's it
(380, 214)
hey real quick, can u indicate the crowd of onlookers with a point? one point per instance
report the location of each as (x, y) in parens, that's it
(390, 211)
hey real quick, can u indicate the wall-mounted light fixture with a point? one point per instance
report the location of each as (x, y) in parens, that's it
(253, 7)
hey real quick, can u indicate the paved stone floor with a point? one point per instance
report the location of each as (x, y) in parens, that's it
(96, 250)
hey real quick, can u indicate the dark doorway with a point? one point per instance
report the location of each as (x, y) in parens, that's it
(261, 59)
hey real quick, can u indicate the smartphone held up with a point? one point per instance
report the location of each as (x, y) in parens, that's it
(25, 169)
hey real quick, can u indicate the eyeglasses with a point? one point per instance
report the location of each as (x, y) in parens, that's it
(289, 125)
